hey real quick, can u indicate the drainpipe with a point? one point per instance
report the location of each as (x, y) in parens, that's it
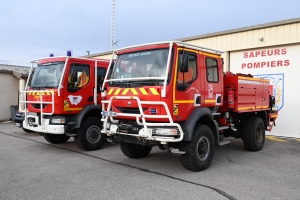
(21, 96)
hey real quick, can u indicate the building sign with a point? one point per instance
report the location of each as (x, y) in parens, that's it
(267, 58)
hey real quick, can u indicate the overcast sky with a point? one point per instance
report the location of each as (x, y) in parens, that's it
(31, 29)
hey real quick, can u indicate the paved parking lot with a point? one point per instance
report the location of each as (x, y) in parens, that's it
(31, 168)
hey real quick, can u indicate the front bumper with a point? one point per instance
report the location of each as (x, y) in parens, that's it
(162, 132)
(45, 127)
(113, 126)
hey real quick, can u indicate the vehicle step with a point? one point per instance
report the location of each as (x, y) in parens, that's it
(71, 134)
(223, 127)
(215, 113)
(176, 151)
(224, 143)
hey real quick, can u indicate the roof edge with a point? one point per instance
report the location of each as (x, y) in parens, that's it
(98, 54)
(247, 28)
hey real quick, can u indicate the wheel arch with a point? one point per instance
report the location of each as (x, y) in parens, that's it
(198, 115)
(263, 116)
(88, 111)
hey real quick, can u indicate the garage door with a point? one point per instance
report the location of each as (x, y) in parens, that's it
(279, 64)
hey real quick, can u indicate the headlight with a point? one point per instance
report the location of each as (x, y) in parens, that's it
(165, 131)
(58, 121)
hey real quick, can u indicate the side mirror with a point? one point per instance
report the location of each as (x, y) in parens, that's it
(184, 63)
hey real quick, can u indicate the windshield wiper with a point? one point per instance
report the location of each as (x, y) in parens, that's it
(120, 84)
(144, 83)
(43, 87)
(50, 86)
(38, 88)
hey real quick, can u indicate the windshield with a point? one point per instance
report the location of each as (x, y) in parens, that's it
(47, 75)
(144, 67)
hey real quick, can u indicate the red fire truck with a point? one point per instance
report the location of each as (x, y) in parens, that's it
(175, 96)
(62, 100)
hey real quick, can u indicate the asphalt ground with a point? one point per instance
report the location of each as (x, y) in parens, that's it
(31, 168)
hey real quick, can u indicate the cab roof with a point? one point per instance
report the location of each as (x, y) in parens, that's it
(167, 44)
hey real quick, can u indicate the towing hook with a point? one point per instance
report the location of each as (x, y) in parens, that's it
(144, 140)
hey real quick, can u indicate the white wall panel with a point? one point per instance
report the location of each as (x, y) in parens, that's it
(241, 62)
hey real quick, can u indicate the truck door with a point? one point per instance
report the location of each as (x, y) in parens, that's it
(80, 86)
(213, 80)
(186, 95)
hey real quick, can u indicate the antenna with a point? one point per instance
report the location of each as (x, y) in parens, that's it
(113, 26)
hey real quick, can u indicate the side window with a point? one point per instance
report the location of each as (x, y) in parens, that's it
(100, 77)
(212, 70)
(79, 76)
(184, 79)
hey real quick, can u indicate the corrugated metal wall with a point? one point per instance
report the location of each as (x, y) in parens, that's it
(107, 56)
(278, 35)
(275, 33)
(272, 36)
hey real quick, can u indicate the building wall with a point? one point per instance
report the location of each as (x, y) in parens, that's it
(106, 56)
(9, 94)
(285, 32)
(280, 65)
(248, 39)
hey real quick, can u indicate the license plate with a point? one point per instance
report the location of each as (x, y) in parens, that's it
(18, 124)
(32, 113)
(109, 113)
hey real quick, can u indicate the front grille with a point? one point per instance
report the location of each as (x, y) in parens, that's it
(130, 110)
(38, 106)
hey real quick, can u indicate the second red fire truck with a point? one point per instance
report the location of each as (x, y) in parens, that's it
(61, 100)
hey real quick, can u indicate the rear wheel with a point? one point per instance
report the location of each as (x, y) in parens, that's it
(135, 150)
(253, 134)
(56, 139)
(89, 136)
(200, 150)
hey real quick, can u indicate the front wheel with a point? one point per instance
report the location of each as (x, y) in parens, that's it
(56, 139)
(135, 150)
(88, 136)
(253, 134)
(200, 150)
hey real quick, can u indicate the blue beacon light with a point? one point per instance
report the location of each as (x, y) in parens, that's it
(69, 53)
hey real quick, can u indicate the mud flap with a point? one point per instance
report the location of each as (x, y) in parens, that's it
(271, 119)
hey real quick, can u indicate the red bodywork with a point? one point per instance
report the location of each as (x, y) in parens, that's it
(249, 93)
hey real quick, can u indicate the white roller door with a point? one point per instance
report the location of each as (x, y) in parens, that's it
(281, 65)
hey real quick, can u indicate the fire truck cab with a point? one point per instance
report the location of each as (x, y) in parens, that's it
(61, 100)
(175, 96)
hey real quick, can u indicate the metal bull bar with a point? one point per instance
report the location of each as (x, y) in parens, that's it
(23, 106)
(145, 134)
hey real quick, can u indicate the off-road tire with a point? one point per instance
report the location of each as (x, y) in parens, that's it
(200, 150)
(56, 139)
(27, 130)
(253, 134)
(88, 136)
(135, 150)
